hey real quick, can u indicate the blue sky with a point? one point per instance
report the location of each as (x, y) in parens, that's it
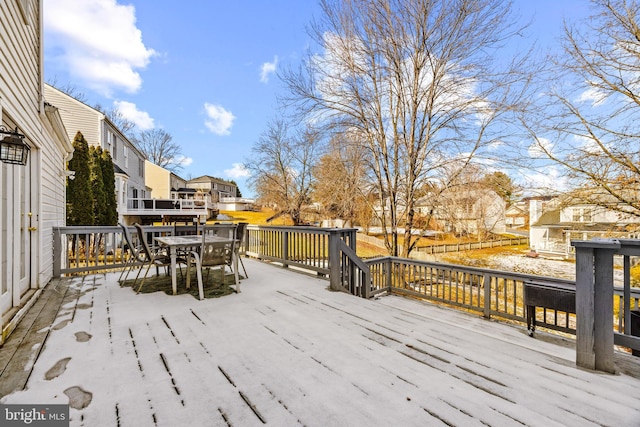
(205, 73)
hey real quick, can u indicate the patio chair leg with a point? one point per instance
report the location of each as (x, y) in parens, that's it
(143, 278)
(128, 270)
(235, 273)
(126, 266)
(243, 269)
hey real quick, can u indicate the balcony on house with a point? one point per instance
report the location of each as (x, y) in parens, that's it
(184, 204)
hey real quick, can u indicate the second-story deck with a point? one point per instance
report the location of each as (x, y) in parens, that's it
(169, 209)
(288, 351)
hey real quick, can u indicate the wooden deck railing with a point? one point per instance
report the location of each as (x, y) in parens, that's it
(330, 252)
(486, 291)
(86, 249)
(327, 251)
(595, 289)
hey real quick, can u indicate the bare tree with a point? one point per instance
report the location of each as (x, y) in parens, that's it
(342, 185)
(590, 121)
(419, 82)
(281, 168)
(126, 126)
(68, 88)
(157, 145)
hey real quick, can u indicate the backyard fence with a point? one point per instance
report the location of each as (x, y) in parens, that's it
(468, 246)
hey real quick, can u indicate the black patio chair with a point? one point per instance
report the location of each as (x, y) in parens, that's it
(134, 254)
(157, 257)
(212, 254)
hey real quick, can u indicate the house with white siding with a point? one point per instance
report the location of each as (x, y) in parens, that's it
(32, 196)
(99, 131)
(218, 188)
(466, 210)
(558, 221)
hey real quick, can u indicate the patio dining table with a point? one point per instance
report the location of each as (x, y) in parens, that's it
(173, 243)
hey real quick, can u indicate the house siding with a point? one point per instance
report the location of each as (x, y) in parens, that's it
(52, 205)
(76, 115)
(95, 127)
(158, 179)
(22, 106)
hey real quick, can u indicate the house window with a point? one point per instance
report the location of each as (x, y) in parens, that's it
(582, 215)
(576, 215)
(125, 154)
(109, 144)
(140, 167)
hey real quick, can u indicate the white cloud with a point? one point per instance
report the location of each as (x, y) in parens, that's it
(182, 160)
(267, 69)
(219, 120)
(237, 171)
(129, 111)
(594, 96)
(549, 179)
(537, 149)
(98, 42)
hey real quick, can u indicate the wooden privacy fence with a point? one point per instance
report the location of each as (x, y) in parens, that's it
(450, 247)
(468, 246)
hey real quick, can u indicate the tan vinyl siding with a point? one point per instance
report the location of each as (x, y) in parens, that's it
(76, 116)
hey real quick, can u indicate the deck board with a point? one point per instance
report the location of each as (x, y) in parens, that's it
(287, 351)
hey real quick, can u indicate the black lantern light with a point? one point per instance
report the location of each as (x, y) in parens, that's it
(13, 149)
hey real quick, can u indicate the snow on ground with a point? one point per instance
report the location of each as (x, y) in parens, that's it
(538, 266)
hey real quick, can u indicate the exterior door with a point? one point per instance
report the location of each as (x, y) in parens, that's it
(24, 229)
(15, 233)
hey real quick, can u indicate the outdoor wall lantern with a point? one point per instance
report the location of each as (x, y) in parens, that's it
(13, 149)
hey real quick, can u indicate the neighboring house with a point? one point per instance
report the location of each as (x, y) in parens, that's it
(32, 197)
(555, 224)
(161, 181)
(516, 216)
(467, 211)
(170, 199)
(236, 204)
(99, 131)
(216, 187)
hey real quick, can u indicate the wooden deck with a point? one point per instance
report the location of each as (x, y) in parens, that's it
(287, 351)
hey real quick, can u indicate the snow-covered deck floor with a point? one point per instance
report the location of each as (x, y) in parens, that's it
(287, 351)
